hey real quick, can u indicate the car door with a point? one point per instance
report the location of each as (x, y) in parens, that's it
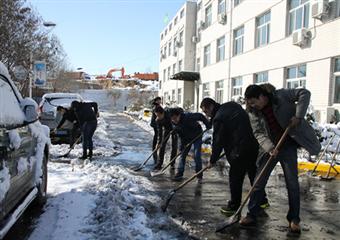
(17, 146)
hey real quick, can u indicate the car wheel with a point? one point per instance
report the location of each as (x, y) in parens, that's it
(42, 187)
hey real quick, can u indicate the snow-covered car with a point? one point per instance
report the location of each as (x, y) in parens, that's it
(49, 117)
(24, 151)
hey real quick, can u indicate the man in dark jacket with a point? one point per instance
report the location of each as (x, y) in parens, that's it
(270, 112)
(188, 128)
(86, 113)
(155, 102)
(233, 134)
(164, 131)
(68, 116)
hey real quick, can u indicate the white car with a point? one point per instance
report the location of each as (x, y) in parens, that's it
(24, 151)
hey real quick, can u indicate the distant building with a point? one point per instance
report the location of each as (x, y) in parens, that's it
(288, 43)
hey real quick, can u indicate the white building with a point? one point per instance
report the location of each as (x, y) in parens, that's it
(289, 43)
(177, 53)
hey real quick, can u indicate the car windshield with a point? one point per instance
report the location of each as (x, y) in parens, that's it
(10, 111)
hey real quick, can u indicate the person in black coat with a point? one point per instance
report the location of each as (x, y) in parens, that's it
(165, 128)
(188, 128)
(69, 115)
(86, 113)
(155, 102)
(232, 133)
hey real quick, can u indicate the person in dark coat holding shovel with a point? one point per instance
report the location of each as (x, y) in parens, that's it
(70, 120)
(155, 102)
(233, 134)
(188, 129)
(270, 112)
(86, 113)
(164, 132)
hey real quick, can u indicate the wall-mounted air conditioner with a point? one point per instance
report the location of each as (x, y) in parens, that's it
(320, 8)
(301, 37)
(222, 18)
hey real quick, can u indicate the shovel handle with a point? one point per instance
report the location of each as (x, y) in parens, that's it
(261, 174)
(323, 153)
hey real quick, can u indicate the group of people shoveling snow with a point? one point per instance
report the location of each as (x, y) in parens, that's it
(254, 140)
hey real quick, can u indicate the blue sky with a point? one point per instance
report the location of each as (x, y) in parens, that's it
(101, 34)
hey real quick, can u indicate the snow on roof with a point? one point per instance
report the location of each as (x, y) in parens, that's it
(62, 95)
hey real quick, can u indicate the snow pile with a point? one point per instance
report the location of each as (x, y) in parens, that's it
(41, 134)
(10, 111)
(5, 179)
(14, 139)
(140, 122)
(22, 165)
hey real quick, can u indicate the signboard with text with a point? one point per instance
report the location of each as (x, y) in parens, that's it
(39, 74)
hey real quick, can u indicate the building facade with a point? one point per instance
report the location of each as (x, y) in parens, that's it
(288, 43)
(177, 53)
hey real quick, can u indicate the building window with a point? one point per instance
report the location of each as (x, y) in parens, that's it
(206, 92)
(173, 97)
(221, 7)
(160, 84)
(166, 32)
(337, 80)
(337, 9)
(164, 74)
(219, 91)
(173, 68)
(237, 2)
(208, 16)
(237, 86)
(263, 29)
(206, 55)
(175, 21)
(162, 36)
(165, 51)
(198, 64)
(175, 43)
(181, 37)
(170, 27)
(166, 97)
(180, 65)
(298, 15)
(296, 76)
(238, 40)
(169, 72)
(182, 13)
(179, 96)
(220, 51)
(169, 49)
(261, 77)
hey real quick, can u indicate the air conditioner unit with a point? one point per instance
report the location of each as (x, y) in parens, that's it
(194, 39)
(222, 18)
(301, 36)
(320, 8)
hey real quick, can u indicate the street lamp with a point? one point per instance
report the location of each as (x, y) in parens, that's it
(50, 25)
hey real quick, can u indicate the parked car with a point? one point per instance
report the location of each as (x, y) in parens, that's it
(24, 152)
(49, 117)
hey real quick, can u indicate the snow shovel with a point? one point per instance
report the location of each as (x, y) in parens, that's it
(71, 148)
(172, 192)
(237, 215)
(321, 155)
(160, 172)
(327, 177)
(155, 150)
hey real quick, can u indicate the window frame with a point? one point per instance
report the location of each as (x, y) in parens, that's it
(219, 50)
(208, 18)
(179, 96)
(336, 74)
(260, 28)
(301, 80)
(235, 87)
(207, 55)
(304, 19)
(238, 39)
(219, 91)
(205, 90)
(263, 73)
(221, 7)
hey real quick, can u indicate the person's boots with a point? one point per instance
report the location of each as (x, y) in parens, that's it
(84, 156)
(90, 154)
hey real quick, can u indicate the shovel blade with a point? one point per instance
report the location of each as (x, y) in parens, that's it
(165, 204)
(153, 174)
(136, 169)
(229, 222)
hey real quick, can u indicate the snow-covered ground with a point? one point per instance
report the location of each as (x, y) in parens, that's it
(103, 199)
